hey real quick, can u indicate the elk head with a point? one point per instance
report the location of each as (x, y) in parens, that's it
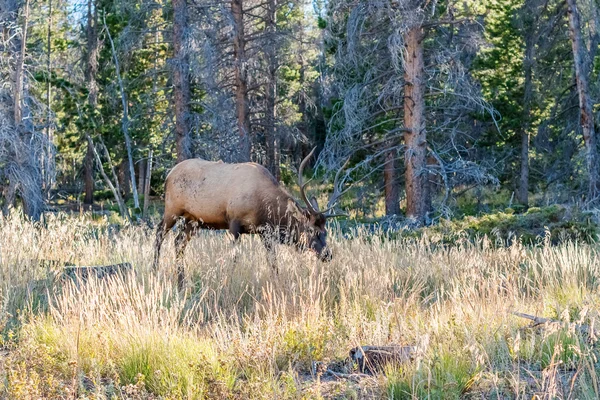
(315, 231)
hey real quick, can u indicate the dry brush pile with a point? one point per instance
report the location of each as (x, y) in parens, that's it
(240, 332)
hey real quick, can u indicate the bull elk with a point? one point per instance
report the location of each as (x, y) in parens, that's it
(243, 198)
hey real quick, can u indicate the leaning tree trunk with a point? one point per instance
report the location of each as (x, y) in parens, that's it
(124, 119)
(181, 83)
(91, 70)
(415, 138)
(241, 79)
(585, 101)
(272, 141)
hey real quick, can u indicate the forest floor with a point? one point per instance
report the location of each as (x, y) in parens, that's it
(240, 331)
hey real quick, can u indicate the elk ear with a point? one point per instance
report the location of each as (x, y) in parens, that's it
(313, 202)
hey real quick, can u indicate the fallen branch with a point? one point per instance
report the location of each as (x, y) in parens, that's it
(354, 377)
(542, 321)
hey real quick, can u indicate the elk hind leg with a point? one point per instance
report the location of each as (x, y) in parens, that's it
(181, 241)
(235, 229)
(165, 225)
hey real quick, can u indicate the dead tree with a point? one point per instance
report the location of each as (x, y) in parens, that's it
(582, 71)
(21, 146)
(19, 69)
(91, 71)
(383, 72)
(124, 118)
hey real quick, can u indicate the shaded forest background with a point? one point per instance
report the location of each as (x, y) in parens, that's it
(434, 108)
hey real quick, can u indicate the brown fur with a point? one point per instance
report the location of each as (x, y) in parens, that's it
(244, 198)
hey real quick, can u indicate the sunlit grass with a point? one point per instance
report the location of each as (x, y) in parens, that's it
(240, 331)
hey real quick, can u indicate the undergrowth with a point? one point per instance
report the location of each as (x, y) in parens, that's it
(240, 331)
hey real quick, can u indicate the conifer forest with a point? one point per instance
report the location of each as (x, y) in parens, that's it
(440, 157)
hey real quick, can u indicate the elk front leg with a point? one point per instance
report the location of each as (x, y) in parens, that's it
(270, 246)
(160, 237)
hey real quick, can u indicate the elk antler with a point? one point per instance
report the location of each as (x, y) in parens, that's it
(302, 185)
(337, 193)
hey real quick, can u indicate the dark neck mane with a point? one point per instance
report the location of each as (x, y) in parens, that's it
(280, 208)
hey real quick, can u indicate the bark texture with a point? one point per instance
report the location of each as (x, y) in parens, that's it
(272, 140)
(585, 100)
(415, 138)
(91, 70)
(523, 186)
(241, 80)
(181, 83)
(390, 182)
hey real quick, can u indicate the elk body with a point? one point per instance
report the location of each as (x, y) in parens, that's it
(243, 198)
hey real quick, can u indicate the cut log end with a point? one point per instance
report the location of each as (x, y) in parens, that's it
(372, 359)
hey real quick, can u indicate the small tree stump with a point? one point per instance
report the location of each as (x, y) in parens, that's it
(372, 359)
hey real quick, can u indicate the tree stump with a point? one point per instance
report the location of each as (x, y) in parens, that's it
(372, 359)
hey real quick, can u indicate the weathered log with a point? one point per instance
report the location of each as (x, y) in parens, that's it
(82, 273)
(372, 359)
(51, 264)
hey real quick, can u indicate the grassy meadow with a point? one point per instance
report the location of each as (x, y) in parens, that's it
(241, 332)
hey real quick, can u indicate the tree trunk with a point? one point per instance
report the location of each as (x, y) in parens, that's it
(125, 178)
(88, 164)
(147, 181)
(415, 138)
(28, 182)
(181, 83)
(19, 70)
(582, 70)
(141, 174)
(390, 182)
(9, 193)
(241, 79)
(523, 187)
(47, 157)
(272, 141)
(91, 70)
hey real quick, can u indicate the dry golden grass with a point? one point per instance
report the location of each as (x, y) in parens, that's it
(241, 332)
